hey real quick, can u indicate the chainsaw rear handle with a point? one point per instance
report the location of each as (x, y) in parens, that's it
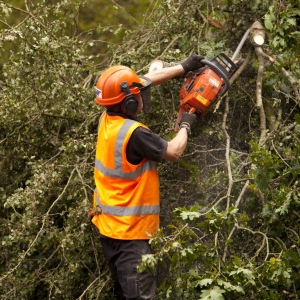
(219, 73)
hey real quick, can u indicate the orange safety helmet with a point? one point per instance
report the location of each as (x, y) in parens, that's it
(109, 91)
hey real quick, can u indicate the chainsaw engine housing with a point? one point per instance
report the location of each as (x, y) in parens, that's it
(201, 91)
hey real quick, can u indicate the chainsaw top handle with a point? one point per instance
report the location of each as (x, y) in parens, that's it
(220, 73)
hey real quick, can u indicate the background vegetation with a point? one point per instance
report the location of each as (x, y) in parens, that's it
(230, 206)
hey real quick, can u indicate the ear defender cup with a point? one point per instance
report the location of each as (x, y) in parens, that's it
(129, 104)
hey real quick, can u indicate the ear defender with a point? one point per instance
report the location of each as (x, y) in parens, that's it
(129, 104)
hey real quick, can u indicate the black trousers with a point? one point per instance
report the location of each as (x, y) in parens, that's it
(123, 258)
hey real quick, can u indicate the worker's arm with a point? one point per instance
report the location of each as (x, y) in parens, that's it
(177, 145)
(160, 76)
(193, 62)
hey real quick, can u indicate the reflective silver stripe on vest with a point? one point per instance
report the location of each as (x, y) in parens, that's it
(131, 210)
(119, 142)
(127, 211)
(147, 166)
(117, 172)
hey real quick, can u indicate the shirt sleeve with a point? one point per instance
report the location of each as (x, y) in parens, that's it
(143, 143)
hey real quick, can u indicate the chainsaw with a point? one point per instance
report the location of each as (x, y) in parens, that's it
(203, 89)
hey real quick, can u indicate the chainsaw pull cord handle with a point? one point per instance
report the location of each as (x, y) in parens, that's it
(220, 73)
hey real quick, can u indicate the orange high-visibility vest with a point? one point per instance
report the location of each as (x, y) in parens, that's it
(126, 195)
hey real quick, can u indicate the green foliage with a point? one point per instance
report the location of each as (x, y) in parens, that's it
(235, 232)
(199, 241)
(276, 173)
(47, 141)
(193, 260)
(282, 20)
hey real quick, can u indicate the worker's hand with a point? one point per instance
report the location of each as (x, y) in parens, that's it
(193, 63)
(187, 121)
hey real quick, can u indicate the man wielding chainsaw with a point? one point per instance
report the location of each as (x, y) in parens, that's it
(126, 198)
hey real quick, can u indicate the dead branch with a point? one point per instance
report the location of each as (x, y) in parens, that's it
(257, 39)
(261, 68)
(259, 102)
(227, 152)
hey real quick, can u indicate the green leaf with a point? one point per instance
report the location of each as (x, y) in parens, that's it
(268, 22)
(292, 258)
(212, 294)
(204, 282)
(189, 215)
(284, 208)
(176, 245)
(228, 286)
(246, 272)
(233, 210)
(193, 272)
(292, 21)
(276, 41)
(286, 274)
(237, 261)
(269, 18)
(280, 31)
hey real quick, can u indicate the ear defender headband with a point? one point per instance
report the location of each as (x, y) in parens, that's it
(129, 104)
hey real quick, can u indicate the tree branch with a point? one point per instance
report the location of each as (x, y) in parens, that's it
(227, 153)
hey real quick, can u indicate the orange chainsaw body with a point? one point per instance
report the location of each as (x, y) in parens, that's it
(200, 92)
